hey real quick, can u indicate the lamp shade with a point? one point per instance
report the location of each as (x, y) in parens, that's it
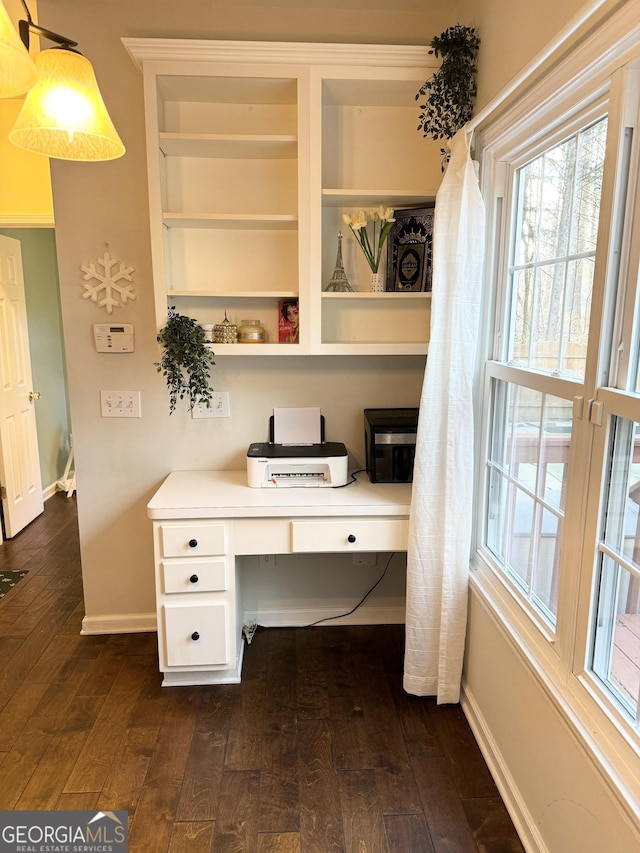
(18, 71)
(64, 116)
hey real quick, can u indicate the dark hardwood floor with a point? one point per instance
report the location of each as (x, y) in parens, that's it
(318, 750)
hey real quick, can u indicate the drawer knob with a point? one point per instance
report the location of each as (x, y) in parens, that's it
(195, 636)
(351, 538)
(193, 543)
(194, 578)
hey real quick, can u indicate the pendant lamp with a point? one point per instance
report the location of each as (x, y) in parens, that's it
(63, 115)
(17, 69)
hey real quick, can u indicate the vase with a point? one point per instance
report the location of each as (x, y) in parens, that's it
(376, 282)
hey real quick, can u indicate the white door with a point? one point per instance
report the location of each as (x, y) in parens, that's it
(20, 482)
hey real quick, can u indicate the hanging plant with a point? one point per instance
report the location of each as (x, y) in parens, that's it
(186, 361)
(451, 92)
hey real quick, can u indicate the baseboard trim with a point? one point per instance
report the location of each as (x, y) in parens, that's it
(50, 491)
(515, 805)
(298, 618)
(135, 623)
(127, 623)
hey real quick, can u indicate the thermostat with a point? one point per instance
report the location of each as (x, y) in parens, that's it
(113, 338)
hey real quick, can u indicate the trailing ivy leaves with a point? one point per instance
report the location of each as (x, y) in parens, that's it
(452, 90)
(186, 361)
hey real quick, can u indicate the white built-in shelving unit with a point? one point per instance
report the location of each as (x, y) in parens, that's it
(255, 152)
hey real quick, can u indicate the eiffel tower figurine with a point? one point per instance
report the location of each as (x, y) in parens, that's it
(339, 282)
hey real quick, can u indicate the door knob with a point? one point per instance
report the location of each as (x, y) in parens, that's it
(34, 395)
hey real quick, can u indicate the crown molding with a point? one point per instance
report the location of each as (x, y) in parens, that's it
(144, 50)
(27, 220)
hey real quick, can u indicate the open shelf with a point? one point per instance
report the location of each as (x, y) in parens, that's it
(387, 294)
(256, 152)
(371, 198)
(229, 145)
(243, 221)
(232, 294)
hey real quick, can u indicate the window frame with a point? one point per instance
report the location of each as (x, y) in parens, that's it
(549, 385)
(560, 661)
(497, 367)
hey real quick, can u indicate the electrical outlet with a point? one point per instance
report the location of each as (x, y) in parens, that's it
(364, 558)
(120, 404)
(248, 631)
(219, 407)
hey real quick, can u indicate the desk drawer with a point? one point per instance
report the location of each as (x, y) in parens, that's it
(195, 575)
(386, 534)
(192, 539)
(262, 536)
(196, 634)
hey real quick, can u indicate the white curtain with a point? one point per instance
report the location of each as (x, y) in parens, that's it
(442, 495)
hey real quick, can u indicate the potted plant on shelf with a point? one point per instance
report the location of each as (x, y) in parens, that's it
(186, 361)
(451, 92)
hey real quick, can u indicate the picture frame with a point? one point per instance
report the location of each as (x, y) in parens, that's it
(410, 250)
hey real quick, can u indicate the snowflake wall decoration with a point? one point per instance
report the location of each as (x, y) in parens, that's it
(108, 273)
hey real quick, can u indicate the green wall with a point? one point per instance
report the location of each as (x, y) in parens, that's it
(46, 344)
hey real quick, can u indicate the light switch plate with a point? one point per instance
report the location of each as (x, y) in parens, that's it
(219, 407)
(120, 404)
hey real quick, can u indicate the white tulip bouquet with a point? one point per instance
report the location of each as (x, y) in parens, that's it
(381, 220)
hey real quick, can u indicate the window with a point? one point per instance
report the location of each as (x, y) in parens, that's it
(527, 481)
(533, 381)
(558, 206)
(556, 562)
(616, 637)
(559, 526)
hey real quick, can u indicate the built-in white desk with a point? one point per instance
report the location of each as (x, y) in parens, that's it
(203, 520)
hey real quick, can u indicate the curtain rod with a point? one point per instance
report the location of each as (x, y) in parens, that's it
(574, 24)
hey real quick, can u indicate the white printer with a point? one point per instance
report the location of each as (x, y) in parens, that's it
(272, 464)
